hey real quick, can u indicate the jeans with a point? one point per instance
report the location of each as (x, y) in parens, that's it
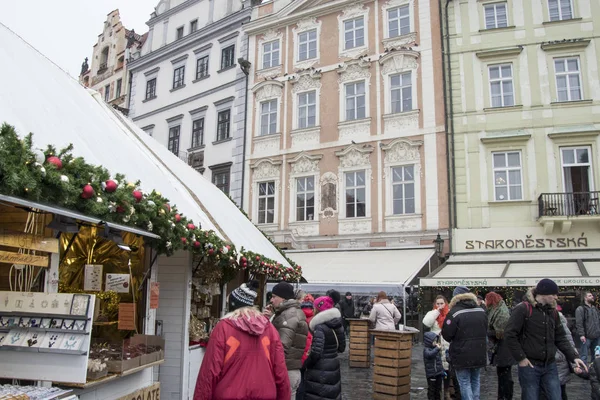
(295, 378)
(505, 383)
(534, 380)
(434, 387)
(590, 344)
(300, 391)
(468, 380)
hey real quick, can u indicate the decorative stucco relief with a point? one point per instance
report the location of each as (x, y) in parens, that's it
(265, 169)
(354, 156)
(268, 90)
(400, 41)
(269, 72)
(355, 71)
(354, 226)
(401, 123)
(305, 229)
(329, 195)
(306, 82)
(356, 130)
(399, 62)
(305, 163)
(267, 145)
(403, 224)
(402, 150)
(305, 138)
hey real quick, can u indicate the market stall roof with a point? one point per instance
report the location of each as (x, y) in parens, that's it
(75, 215)
(360, 270)
(37, 96)
(567, 268)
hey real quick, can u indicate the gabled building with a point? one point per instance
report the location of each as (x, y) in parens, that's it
(107, 72)
(346, 142)
(188, 87)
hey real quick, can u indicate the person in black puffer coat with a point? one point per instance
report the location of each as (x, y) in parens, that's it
(434, 370)
(323, 378)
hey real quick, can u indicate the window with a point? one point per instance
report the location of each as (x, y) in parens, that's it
(151, 88)
(305, 198)
(173, 144)
(193, 26)
(501, 85)
(560, 9)
(266, 202)
(399, 21)
(198, 132)
(118, 90)
(401, 92)
(220, 178)
(507, 176)
(307, 45)
(307, 109)
(178, 77)
(578, 180)
(196, 161)
(223, 125)
(495, 16)
(179, 32)
(354, 33)
(103, 59)
(202, 67)
(568, 79)
(268, 117)
(227, 57)
(355, 100)
(403, 189)
(355, 194)
(107, 93)
(271, 54)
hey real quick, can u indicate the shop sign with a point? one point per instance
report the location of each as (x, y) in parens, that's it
(117, 283)
(126, 319)
(25, 259)
(491, 282)
(147, 393)
(28, 241)
(93, 278)
(154, 293)
(521, 239)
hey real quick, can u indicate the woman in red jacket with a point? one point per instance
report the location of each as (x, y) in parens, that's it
(244, 358)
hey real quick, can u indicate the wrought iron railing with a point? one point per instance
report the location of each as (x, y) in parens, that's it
(569, 204)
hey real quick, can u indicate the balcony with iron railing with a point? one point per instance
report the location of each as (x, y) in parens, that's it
(565, 208)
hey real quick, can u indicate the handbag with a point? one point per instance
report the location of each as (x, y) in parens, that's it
(392, 315)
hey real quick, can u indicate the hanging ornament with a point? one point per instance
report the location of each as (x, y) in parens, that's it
(41, 168)
(167, 206)
(98, 199)
(137, 195)
(184, 241)
(87, 192)
(120, 209)
(130, 185)
(150, 226)
(168, 245)
(151, 203)
(55, 161)
(158, 194)
(109, 186)
(64, 178)
(177, 218)
(196, 244)
(257, 258)
(39, 155)
(191, 226)
(225, 250)
(211, 252)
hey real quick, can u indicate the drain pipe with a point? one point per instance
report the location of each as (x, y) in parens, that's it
(246, 71)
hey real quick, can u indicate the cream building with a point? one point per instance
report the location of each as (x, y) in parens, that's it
(524, 109)
(108, 73)
(346, 143)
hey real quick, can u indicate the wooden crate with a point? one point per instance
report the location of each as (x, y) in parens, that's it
(391, 375)
(360, 343)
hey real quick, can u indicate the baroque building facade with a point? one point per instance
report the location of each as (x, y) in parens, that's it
(346, 140)
(189, 90)
(523, 104)
(107, 72)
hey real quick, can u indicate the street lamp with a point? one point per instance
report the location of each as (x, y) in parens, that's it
(439, 246)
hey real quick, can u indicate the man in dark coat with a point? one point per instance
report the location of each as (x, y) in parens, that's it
(533, 334)
(588, 326)
(347, 310)
(465, 328)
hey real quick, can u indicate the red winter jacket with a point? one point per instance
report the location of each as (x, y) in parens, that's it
(244, 360)
(310, 313)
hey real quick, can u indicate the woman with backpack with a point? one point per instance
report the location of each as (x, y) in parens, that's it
(384, 314)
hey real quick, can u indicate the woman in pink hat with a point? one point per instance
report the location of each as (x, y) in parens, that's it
(323, 378)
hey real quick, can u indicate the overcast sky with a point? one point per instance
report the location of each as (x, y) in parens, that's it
(66, 30)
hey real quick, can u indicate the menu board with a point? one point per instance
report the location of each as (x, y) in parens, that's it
(117, 283)
(93, 278)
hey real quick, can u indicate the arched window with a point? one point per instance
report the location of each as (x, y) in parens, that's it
(103, 59)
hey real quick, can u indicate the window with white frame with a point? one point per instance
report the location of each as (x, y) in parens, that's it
(305, 198)
(266, 202)
(401, 92)
(307, 45)
(560, 9)
(508, 181)
(355, 100)
(495, 15)
(399, 21)
(403, 189)
(568, 79)
(268, 117)
(307, 109)
(501, 85)
(271, 54)
(354, 33)
(356, 197)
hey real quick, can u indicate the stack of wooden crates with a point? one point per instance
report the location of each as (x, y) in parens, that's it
(360, 343)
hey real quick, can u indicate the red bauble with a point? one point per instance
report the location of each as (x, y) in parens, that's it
(196, 244)
(137, 195)
(191, 226)
(211, 252)
(262, 263)
(111, 186)
(167, 206)
(257, 258)
(87, 192)
(243, 260)
(183, 240)
(177, 218)
(120, 209)
(56, 161)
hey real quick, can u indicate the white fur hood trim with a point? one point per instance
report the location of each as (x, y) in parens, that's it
(324, 316)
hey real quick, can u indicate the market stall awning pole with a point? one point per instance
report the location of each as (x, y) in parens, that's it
(147, 274)
(404, 304)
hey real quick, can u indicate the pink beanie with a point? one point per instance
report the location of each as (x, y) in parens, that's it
(323, 303)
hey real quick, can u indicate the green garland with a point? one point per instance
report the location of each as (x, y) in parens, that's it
(28, 173)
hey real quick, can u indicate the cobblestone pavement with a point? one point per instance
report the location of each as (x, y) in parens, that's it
(357, 382)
